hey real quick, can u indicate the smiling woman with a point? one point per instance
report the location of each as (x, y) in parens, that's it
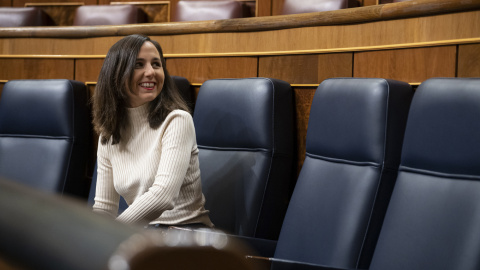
(147, 150)
(148, 76)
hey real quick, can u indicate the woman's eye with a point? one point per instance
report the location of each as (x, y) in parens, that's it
(138, 65)
(157, 64)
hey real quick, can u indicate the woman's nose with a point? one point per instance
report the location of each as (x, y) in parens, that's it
(149, 70)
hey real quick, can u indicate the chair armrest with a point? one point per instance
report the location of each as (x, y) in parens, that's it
(280, 264)
(259, 247)
(262, 247)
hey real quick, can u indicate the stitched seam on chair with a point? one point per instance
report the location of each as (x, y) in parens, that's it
(385, 131)
(234, 149)
(271, 160)
(69, 158)
(350, 162)
(35, 137)
(439, 174)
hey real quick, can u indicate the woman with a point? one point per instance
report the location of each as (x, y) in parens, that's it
(147, 150)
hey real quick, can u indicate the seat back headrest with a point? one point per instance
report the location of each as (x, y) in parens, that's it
(41, 107)
(443, 132)
(208, 10)
(349, 116)
(25, 16)
(248, 104)
(307, 6)
(109, 15)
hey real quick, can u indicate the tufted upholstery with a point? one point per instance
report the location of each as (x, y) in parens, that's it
(208, 10)
(244, 133)
(25, 16)
(433, 220)
(109, 15)
(354, 140)
(45, 135)
(306, 6)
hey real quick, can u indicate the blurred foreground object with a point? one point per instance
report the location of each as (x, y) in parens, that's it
(45, 231)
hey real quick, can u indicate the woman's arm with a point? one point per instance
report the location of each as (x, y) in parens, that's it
(177, 143)
(106, 197)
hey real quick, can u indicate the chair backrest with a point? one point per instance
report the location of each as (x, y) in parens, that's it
(433, 220)
(109, 15)
(184, 88)
(244, 133)
(208, 10)
(306, 6)
(45, 135)
(354, 140)
(25, 16)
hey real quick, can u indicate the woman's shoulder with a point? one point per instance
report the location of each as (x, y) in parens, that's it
(179, 113)
(179, 116)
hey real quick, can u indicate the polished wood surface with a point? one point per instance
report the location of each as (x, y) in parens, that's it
(328, 18)
(410, 65)
(6, 3)
(198, 70)
(14, 69)
(303, 103)
(469, 60)
(62, 14)
(156, 11)
(306, 69)
(264, 8)
(21, 3)
(87, 70)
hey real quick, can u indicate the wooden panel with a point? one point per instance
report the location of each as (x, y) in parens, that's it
(264, 8)
(198, 70)
(21, 3)
(306, 69)
(157, 11)
(1, 88)
(13, 69)
(469, 60)
(303, 103)
(62, 14)
(5, 3)
(409, 65)
(277, 7)
(445, 29)
(369, 2)
(87, 70)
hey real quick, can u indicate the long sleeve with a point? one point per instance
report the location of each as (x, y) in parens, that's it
(106, 197)
(177, 142)
(156, 171)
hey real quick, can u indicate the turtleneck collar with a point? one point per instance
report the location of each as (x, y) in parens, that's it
(138, 114)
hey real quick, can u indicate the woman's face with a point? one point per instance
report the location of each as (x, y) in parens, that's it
(148, 76)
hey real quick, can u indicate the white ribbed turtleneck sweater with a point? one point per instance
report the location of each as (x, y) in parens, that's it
(156, 171)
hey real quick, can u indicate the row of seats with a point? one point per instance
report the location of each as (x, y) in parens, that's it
(390, 179)
(388, 182)
(125, 14)
(185, 11)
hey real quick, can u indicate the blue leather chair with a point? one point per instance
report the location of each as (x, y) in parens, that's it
(45, 135)
(184, 87)
(433, 220)
(354, 139)
(245, 135)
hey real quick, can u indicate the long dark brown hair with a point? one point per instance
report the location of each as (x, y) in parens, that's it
(110, 99)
